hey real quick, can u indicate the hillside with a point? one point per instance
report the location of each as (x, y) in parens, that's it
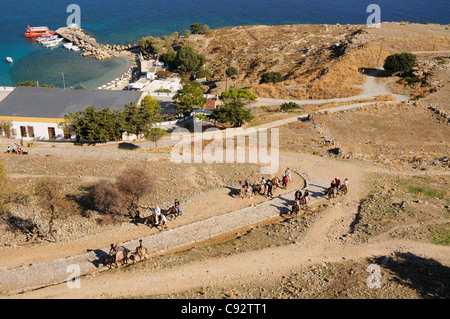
(317, 61)
(390, 140)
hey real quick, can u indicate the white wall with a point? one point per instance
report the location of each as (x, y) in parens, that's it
(40, 130)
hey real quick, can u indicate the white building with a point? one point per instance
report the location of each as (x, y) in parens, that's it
(148, 68)
(36, 112)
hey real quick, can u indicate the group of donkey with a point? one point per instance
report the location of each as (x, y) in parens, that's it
(140, 253)
(335, 191)
(257, 188)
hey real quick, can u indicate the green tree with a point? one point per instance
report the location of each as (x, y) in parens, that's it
(234, 114)
(5, 127)
(206, 30)
(231, 71)
(187, 33)
(237, 96)
(271, 77)
(204, 73)
(189, 97)
(138, 120)
(155, 134)
(233, 110)
(188, 60)
(196, 28)
(170, 58)
(151, 45)
(399, 63)
(95, 125)
(27, 83)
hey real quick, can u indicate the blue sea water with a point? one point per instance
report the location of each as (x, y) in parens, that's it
(124, 22)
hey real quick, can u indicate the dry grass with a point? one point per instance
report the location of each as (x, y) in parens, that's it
(304, 54)
(401, 133)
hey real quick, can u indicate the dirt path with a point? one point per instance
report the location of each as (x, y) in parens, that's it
(215, 202)
(371, 88)
(323, 242)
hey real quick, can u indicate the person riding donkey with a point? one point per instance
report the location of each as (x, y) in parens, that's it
(177, 206)
(338, 182)
(118, 252)
(141, 251)
(298, 194)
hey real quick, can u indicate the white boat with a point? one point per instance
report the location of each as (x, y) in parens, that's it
(52, 40)
(52, 43)
(9, 59)
(71, 46)
(68, 45)
(47, 38)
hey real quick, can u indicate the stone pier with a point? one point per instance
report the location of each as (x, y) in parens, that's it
(89, 45)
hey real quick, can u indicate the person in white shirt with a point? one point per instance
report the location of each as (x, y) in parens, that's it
(163, 220)
(157, 211)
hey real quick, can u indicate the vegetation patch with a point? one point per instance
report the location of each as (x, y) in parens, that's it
(440, 234)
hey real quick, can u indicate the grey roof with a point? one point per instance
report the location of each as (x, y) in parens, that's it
(55, 102)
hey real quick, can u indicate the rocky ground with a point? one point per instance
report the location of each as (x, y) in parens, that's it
(317, 61)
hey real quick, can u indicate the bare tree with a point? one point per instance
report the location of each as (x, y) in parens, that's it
(123, 196)
(134, 183)
(107, 199)
(53, 203)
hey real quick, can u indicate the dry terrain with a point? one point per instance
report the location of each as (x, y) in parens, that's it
(316, 61)
(396, 215)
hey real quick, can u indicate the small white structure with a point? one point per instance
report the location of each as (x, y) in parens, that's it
(149, 68)
(171, 84)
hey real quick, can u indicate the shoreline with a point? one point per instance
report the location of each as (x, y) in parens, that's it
(131, 56)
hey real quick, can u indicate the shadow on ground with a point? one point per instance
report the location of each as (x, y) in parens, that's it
(427, 276)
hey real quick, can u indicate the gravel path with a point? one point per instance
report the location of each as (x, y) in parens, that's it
(56, 271)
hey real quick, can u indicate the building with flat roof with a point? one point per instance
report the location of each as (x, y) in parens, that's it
(35, 112)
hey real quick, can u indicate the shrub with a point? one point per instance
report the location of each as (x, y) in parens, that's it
(399, 62)
(204, 73)
(231, 71)
(289, 106)
(271, 77)
(123, 196)
(107, 199)
(196, 27)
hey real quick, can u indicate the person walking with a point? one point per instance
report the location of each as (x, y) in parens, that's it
(288, 174)
(285, 180)
(269, 189)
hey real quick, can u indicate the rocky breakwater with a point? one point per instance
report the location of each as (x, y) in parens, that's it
(89, 45)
